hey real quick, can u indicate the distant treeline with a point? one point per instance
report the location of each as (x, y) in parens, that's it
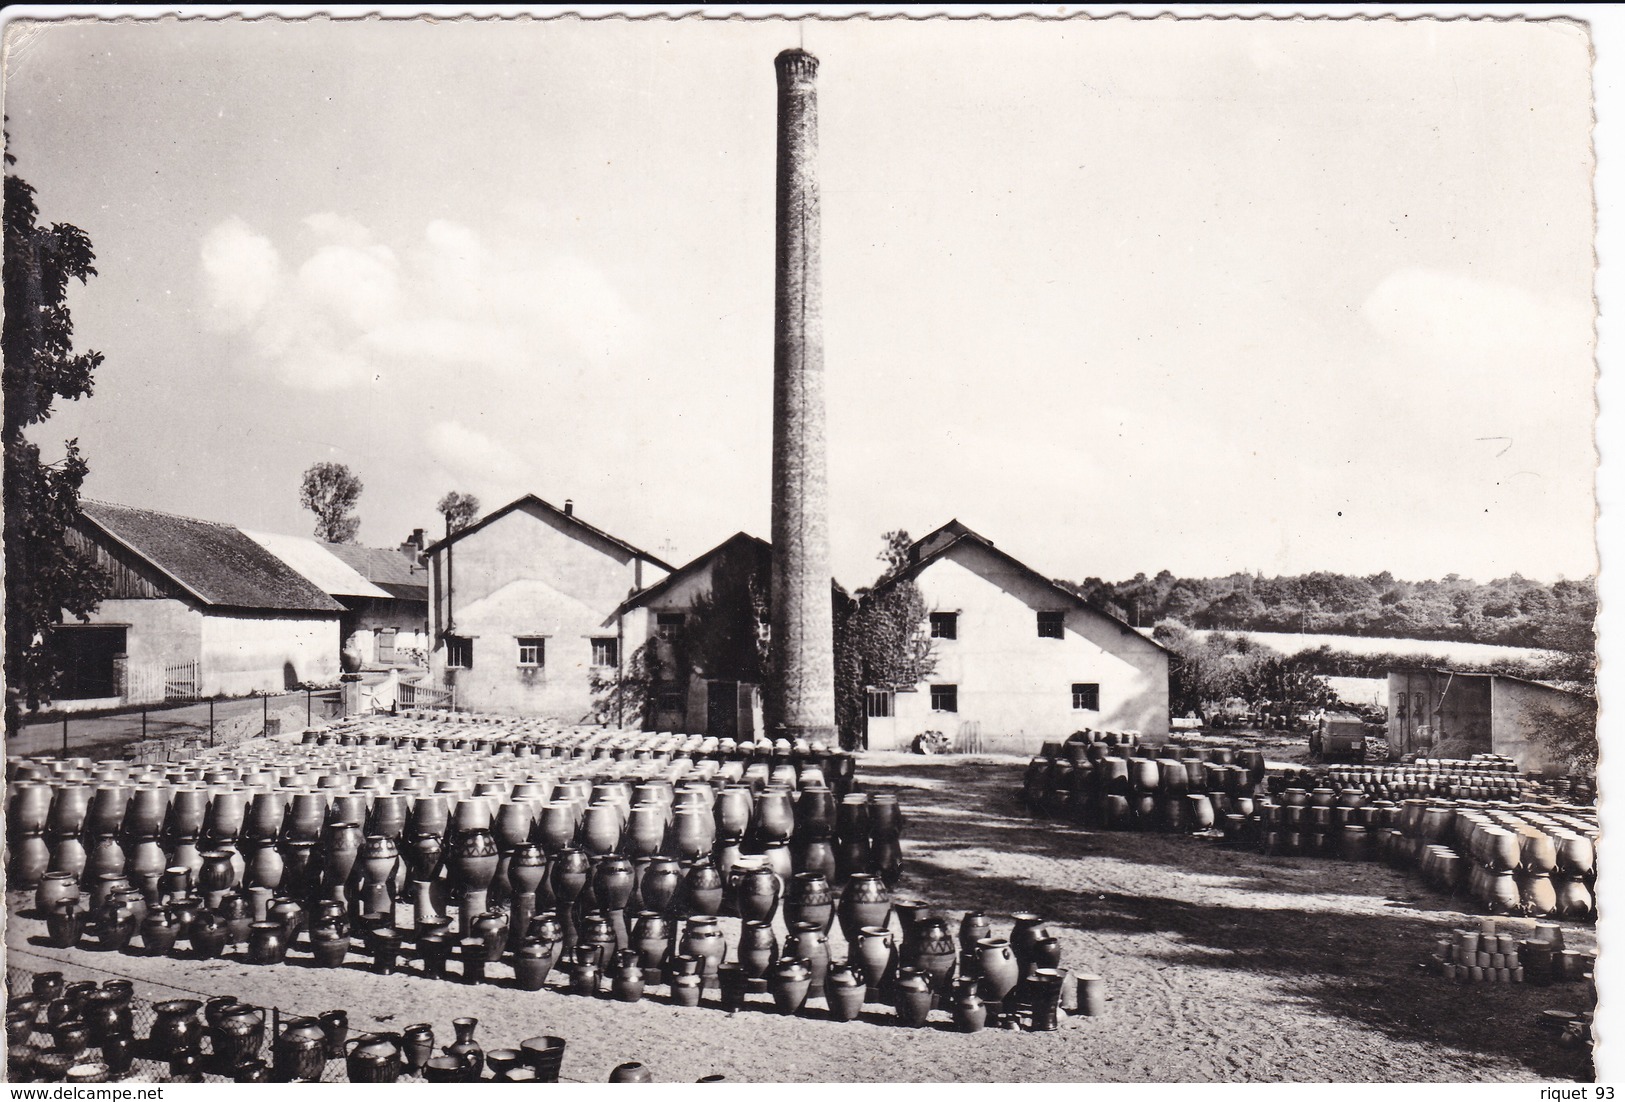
(1513, 611)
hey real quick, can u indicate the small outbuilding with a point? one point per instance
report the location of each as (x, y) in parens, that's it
(196, 609)
(1443, 712)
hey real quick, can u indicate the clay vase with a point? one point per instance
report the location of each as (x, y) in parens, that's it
(234, 909)
(775, 815)
(757, 895)
(686, 989)
(662, 879)
(808, 897)
(702, 938)
(806, 942)
(776, 855)
(418, 1046)
(329, 946)
(651, 937)
(972, 929)
(467, 1049)
(299, 1052)
(702, 889)
(342, 847)
(913, 996)
(631, 1072)
(209, 935)
(425, 854)
(758, 948)
(108, 1015)
(53, 888)
(532, 961)
(118, 1053)
(934, 954)
(31, 858)
(877, 952)
(612, 882)
(999, 969)
(267, 943)
(886, 857)
(64, 924)
(1028, 929)
(491, 927)
(788, 981)
(378, 861)
(970, 1012)
(218, 875)
(240, 1035)
(472, 860)
(176, 1028)
(1572, 899)
(816, 855)
(116, 924)
(865, 902)
(845, 992)
(626, 979)
(374, 1058)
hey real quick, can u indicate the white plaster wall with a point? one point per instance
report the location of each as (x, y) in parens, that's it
(243, 653)
(1520, 713)
(1016, 685)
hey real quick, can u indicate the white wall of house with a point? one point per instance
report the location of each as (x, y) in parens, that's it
(1014, 688)
(529, 574)
(245, 653)
(1519, 713)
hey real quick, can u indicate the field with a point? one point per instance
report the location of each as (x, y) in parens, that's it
(1221, 965)
(1290, 643)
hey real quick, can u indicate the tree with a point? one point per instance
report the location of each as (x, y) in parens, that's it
(895, 553)
(46, 577)
(882, 638)
(459, 510)
(330, 490)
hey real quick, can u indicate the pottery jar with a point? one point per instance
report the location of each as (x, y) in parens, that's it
(789, 981)
(267, 943)
(466, 1048)
(176, 1028)
(913, 996)
(1000, 971)
(758, 948)
(299, 1052)
(702, 889)
(374, 1058)
(757, 894)
(418, 1046)
(702, 937)
(845, 992)
(240, 1034)
(64, 924)
(808, 897)
(865, 902)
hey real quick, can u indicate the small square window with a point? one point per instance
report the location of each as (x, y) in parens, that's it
(669, 625)
(1052, 625)
(459, 652)
(1086, 697)
(670, 701)
(945, 698)
(945, 625)
(606, 652)
(533, 652)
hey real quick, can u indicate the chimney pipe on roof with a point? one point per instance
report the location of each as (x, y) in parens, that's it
(569, 508)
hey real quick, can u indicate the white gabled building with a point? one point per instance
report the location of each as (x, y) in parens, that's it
(1020, 661)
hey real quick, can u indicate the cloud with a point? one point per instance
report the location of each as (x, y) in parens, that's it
(1460, 317)
(349, 309)
(241, 270)
(476, 460)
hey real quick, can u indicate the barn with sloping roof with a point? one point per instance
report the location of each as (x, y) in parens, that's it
(197, 609)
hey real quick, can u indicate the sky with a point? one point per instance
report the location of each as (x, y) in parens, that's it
(1122, 295)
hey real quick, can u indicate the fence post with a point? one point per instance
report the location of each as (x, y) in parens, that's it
(64, 736)
(211, 721)
(143, 723)
(307, 705)
(267, 702)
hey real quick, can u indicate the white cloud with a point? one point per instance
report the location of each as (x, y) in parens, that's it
(474, 459)
(241, 271)
(1461, 317)
(354, 309)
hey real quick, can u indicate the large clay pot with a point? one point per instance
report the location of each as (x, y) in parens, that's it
(612, 882)
(702, 937)
(299, 1052)
(845, 992)
(757, 894)
(601, 829)
(646, 830)
(865, 902)
(417, 1046)
(758, 948)
(788, 981)
(970, 1012)
(176, 1028)
(775, 815)
(544, 1056)
(651, 937)
(875, 949)
(973, 928)
(660, 884)
(267, 943)
(107, 1014)
(64, 924)
(209, 935)
(808, 897)
(1000, 970)
(913, 996)
(240, 1034)
(808, 943)
(374, 1058)
(1028, 929)
(342, 849)
(702, 889)
(934, 953)
(626, 979)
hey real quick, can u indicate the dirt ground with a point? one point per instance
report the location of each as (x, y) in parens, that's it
(1221, 965)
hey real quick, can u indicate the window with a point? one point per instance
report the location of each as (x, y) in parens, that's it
(1086, 696)
(1052, 625)
(669, 626)
(606, 652)
(386, 645)
(533, 652)
(880, 704)
(945, 625)
(945, 698)
(669, 701)
(459, 652)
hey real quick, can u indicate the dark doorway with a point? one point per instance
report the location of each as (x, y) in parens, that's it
(722, 709)
(84, 659)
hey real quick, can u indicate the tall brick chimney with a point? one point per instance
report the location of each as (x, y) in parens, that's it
(801, 698)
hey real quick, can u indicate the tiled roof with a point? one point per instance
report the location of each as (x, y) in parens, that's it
(214, 563)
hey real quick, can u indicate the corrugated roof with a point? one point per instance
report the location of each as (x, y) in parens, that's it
(318, 563)
(214, 563)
